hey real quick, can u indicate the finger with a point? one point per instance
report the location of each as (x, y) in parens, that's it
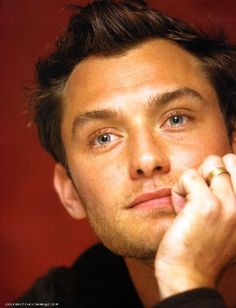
(220, 184)
(209, 165)
(178, 201)
(230, 164)
(193, 188)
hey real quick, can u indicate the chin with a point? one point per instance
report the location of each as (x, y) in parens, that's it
(142, 244)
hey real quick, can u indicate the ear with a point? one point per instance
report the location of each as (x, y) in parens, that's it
(67, 193)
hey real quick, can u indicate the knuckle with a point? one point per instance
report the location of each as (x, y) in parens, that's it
(230, 159)
(189, 174)
(231, 212)
(212, 159)
(209, 164)
(212, 205)
(230, 156)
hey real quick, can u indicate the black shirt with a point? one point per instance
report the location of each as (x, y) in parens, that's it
(100, 279)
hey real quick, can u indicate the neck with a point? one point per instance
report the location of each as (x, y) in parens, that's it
(143, 277)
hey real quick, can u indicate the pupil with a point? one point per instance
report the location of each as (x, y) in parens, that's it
(104, 138)
(177, 120)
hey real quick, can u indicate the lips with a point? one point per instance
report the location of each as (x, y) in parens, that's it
(159, 198)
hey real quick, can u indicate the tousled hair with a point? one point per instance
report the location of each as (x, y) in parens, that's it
(108, 28)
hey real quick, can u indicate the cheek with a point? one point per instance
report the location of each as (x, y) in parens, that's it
(95, 181)
(191, 155)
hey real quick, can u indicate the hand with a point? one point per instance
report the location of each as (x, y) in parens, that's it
(201, 242)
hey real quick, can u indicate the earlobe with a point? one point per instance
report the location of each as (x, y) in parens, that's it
(67, 193)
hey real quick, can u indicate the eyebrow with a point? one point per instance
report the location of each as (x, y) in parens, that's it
(164, 98)
(156, 100)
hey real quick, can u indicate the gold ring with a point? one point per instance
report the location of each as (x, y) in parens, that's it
(215, 172)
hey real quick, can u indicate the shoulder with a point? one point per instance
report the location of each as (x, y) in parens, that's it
(97, 276)
(64, 281)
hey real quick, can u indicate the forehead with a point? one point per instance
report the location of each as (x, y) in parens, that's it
(156, 64)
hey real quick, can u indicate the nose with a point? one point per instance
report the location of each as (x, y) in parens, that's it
(148, 156)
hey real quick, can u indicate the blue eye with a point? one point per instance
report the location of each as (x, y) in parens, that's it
(103, 139)
(177, 120)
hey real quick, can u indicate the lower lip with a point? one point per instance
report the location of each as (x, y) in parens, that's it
(164, 202)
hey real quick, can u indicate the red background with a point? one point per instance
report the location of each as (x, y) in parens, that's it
(36, 232)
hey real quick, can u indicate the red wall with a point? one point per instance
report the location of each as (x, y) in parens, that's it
(36, 232)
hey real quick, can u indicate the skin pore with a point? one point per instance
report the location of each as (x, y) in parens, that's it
(131, 125)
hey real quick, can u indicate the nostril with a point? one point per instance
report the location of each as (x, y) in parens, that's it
(158, 168)
(139, 171)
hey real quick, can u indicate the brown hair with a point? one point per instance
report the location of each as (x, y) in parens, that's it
(107, 28)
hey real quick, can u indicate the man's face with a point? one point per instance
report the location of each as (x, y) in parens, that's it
(132, 124)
